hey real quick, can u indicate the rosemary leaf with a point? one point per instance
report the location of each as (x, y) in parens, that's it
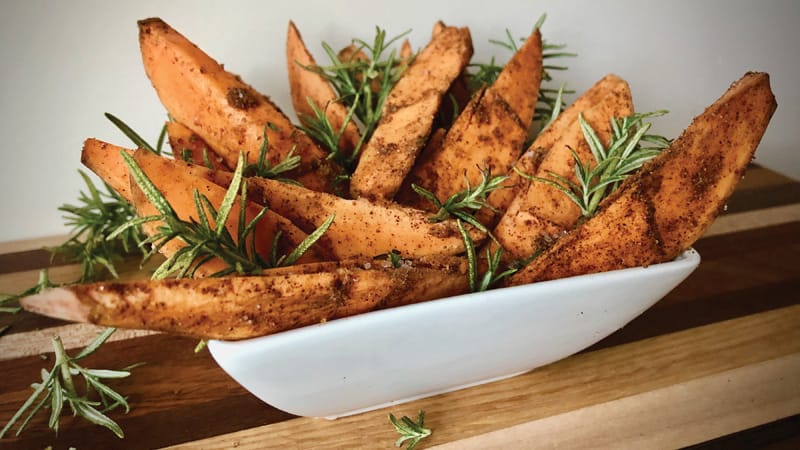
(410, 431)
(612, 164)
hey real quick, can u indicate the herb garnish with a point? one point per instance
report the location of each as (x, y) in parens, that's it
(624, 155)
(465, 203)
(362, 85)
(58, 387)
(204, 241)
(550, 100)
(493, 273)
(262, 167)
(410, 431)
(98, 214)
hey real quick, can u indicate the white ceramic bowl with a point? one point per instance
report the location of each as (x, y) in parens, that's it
(391, 356)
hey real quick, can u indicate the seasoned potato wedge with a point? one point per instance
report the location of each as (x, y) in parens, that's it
(529, 162)
(105, 161)
(666, 206)
(387, 226)
(408, 114)
(177, 184)
(217, 105)
(489, 133)
(541, 213)
(306, 86)
(243, 307)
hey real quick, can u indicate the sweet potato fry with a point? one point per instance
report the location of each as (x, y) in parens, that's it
(390, 226)
(541, 213)
(105, 161)
(243, 307)
(306, 86)
(408, 114)
(489, 133)
(666, 206)
(217, 105)
(530, 160)
(186, 143)
(175, 181)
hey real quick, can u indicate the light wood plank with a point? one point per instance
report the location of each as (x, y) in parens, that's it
(31, 244)
(671, 417)
(749, 220)
(578, 382)
(37, 342)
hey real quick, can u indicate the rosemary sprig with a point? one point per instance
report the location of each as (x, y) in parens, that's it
(464, 204)
(494, 273)
(59, 387)
(97, 215)
(136, 138)
(262, 167)
(362, 85)
(624, 155)
(410, 431)
(550, 101)
(205, 241)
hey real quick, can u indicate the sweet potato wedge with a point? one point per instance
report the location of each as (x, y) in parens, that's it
(541, 213)
(105, 161)
(385, 226)
(489, 133)
(217, 105)
(306, 86)
(666, 206)
(530, 160)
(176, 182)
(408, 114)
(243, 307)
(187, 145)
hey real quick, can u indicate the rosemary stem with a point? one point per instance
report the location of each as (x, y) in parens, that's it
(62, 360)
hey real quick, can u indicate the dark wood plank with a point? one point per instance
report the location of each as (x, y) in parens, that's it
(778, 435)
(177, 396)
(741, 274)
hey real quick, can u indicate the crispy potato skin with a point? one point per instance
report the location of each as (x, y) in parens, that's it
(306, 85)
(408, 114)
(226, 112)
(243, 307)
(540, 213)
(666, 206)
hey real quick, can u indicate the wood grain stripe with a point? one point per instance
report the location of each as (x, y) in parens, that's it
(72, 336)
(731, 223)
(749, 396)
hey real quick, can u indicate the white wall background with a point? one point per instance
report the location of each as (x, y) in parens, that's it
(65, 63)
